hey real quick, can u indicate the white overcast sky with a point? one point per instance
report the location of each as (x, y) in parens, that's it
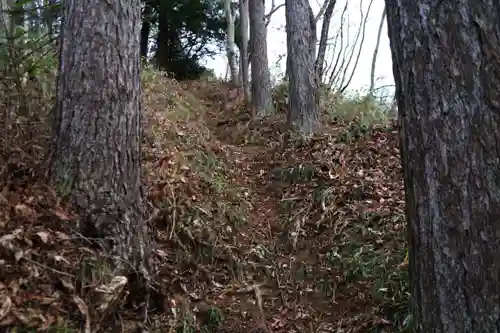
(277, 41)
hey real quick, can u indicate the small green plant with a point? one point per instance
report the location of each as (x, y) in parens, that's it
(186, 321)
(212, 171)
(94, 270)
(186, 327)
(214, 320)
(235, 214)
(294, 175)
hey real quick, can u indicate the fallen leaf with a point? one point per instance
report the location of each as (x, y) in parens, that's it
(84, 309)
(6, 304)
(6, 241)
(21, 317)
(62, 236)
(23, 210)
(10, 320)
(44, 236)
(62, 215)
(109, 293)
(58, 258)
(67, 285)
(18, 255)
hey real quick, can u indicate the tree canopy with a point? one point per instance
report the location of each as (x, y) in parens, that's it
(182, 33)
(175, 34)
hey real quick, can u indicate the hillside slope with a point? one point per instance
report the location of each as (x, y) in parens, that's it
(254, 231)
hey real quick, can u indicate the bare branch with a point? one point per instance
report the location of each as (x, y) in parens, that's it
(321, 10)
(363, 28)
(334, 73)
(325, 28)
(273, 10)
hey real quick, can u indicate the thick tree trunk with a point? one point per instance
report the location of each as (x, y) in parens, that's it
(303, 113)
(262, 102)
(96, 157)
(244, 49)
(323, 41)
(446, 69)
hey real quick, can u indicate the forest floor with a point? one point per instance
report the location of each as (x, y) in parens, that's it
(256, 231)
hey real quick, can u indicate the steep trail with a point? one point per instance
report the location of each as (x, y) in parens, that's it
(330, 214)
(285, 298)
(252, 233)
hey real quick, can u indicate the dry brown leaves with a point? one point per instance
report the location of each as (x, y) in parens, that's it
(41, 255)
(249, 224)
(339, 191)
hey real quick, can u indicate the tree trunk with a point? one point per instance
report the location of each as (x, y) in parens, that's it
(49, 15)
(244, 49)
(446, 69)
(303, 113)
(323, 41)
(168, 43)
(18, 15)
(5, 23)
(96, 156)
(262, 102)
(146, 29)
(230, 43)
(375, 53)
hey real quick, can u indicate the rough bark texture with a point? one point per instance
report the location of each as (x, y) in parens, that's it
(323, 41)
(230, 43)
(244, 60)
(303, 113)
(262, 102)
(96, 157)
(446, 58)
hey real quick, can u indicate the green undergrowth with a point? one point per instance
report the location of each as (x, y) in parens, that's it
(366, 109)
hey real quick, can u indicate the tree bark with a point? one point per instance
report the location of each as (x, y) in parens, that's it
(323, 41)
(96, 155)
(303, 113)
(447, 74)
(262, 102)
(244, 60)
(231, 43)
(5, 18)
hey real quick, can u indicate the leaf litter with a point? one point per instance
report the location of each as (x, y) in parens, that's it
(255, 230)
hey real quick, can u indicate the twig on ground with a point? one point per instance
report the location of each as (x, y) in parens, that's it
(48, 268)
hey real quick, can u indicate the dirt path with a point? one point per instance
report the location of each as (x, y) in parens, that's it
(252, 235)
(321, 243)
(282, 298)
